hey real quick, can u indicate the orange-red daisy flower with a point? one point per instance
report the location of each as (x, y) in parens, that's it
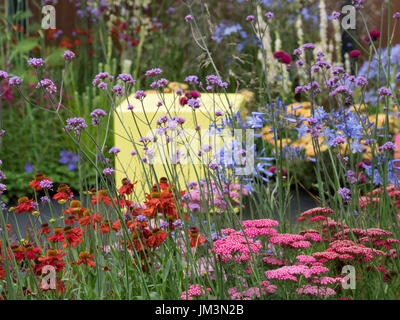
(85, 258)
(156, 238)
(105, 227)
(25, 205)
(58, 235)
(63, 193)
(53, 258)
(31, 252)
(116, 225)
(73, 236)
(127, 187)
(103, 197)
(76, 209)
(195, 238)
(45, 229)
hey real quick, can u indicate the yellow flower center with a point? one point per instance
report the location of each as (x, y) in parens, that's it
(52, 252)
(36, 213)
(75, 204)
(163, 180)
(84, 255)
(63, 188)
(155, 195)
(23, 200)
(103, 193)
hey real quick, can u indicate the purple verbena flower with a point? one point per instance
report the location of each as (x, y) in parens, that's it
(269, 15)
(48, 85)
(108, 171)
(193, 80)
(36, 62)
(68, 55)
(127, 78)
(3, 75)
(46, 184)
(345, 193)
(45, 199)
(76, 125)
(114, 150)
(118, 90)
(15, 81)
(194, 103)
(96, 115)
(140, 95)
(387, 146)
(250, 18)
(153, 72)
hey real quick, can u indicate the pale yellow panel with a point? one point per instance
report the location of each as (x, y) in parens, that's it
(130, 166)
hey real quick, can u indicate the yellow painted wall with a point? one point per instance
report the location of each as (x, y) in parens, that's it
(130, 166)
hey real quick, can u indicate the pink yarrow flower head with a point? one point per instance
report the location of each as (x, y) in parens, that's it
(316, 291)
(315, 212)
(36, 62)
(261, 223)
(235, 247)
(68, 55)
(195, 290)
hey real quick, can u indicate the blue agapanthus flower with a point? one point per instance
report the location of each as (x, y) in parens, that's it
(224, 30)
(69, 158)
(372, 71)
(29, 167)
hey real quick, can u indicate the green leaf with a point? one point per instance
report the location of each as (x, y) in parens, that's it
(55, 59)
(26, 45)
